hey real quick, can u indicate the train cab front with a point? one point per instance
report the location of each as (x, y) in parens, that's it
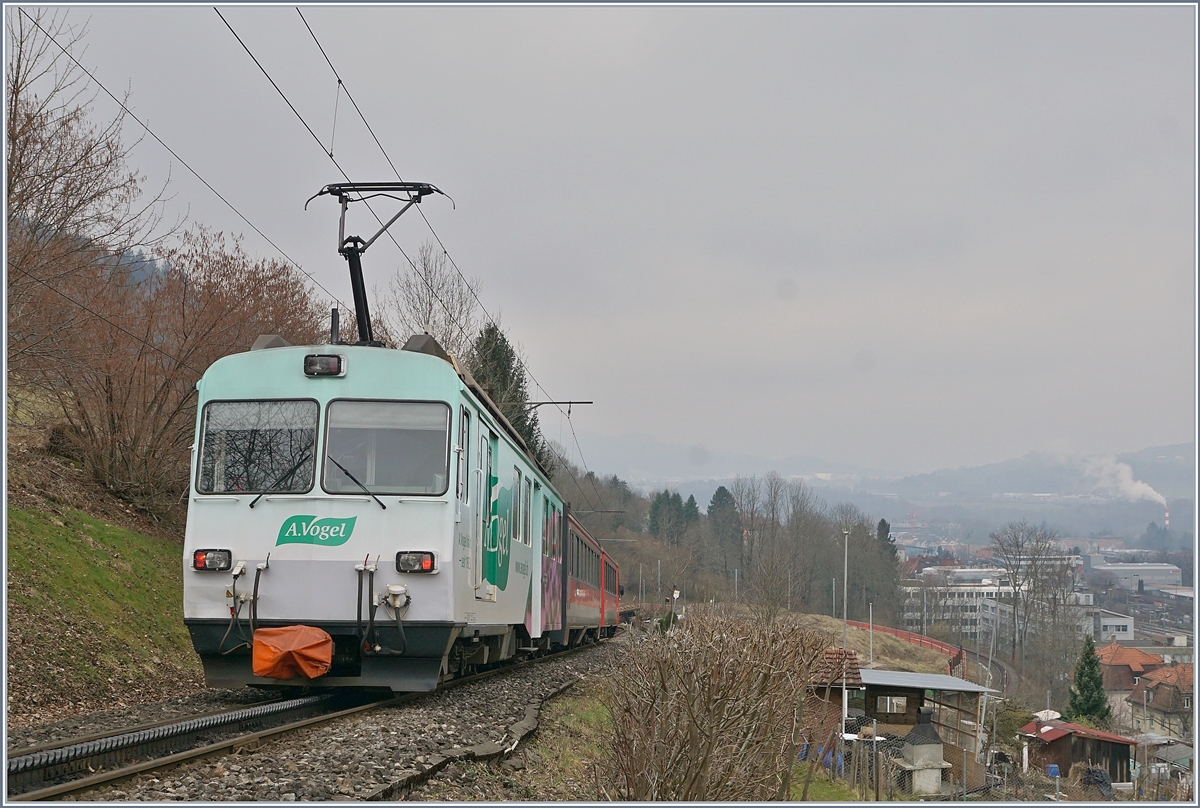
(319, 544)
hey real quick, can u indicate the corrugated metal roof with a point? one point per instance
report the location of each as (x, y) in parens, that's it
(1174, 753)
(921, 681)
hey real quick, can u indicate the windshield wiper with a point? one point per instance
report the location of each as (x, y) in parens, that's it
(271, 488)
(354, 480)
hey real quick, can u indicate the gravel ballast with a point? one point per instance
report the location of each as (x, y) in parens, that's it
(379, 754)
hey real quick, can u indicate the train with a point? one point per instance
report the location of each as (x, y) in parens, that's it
(366, 516)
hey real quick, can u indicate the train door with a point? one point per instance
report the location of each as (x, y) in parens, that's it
(489, 524)
(467, 523)
(552, 571)
(603, 589)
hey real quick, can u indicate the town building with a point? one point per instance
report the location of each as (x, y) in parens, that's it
(1162, 701)
(1178, 594)
(1102, 625)
(1064, 744)
(1138, 576)
(1122, 668)
(951, 598)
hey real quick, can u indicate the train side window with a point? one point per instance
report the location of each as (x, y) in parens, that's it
(537, 501)
(527, 510)
(464, 441)
(545, 527)
(515, 527)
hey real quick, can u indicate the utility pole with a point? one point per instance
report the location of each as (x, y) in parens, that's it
(845, 589)
(875, 754)
(833, 599)
(871, 633)
(659, 591)
(735, 582)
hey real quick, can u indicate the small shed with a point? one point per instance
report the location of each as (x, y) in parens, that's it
(1066, 744)
(893, 697)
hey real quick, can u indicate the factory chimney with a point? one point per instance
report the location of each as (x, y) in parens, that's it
(1167, 521)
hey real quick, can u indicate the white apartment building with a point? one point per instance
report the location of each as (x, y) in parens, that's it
(951, 598)
(1103, 625)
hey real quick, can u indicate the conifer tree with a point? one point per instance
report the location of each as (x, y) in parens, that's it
(497, 367)
(1088, 699)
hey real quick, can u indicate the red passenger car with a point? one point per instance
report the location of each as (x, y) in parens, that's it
(593, 587)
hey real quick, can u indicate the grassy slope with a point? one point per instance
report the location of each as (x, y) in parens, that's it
(95, 616)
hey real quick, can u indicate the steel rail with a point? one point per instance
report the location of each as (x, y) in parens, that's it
(43, 747)
(251, 740)
(117, 748)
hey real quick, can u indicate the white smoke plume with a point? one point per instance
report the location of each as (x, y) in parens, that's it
(1117, 478)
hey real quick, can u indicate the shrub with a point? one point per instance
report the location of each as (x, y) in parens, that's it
(716, 709)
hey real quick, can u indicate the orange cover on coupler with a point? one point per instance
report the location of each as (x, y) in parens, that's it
(290, 651)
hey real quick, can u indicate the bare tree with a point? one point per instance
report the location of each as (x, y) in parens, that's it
(1022, 550)
(73, 203)
(132, 404)
(809, 534)
(432, 298)
(747, 497)
(772, 578)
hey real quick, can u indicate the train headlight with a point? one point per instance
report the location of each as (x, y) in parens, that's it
(324, 365)
(415, 562)
(212, 560)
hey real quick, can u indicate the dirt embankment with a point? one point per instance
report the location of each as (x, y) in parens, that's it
(64, 656)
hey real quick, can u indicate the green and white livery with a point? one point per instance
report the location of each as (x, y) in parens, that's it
(376, 494)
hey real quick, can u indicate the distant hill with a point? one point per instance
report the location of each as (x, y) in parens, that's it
(1167, 469)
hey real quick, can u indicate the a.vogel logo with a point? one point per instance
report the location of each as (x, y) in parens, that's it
(329, 532)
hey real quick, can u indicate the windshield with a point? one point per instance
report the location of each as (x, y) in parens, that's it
(258, 446)
(391, 447)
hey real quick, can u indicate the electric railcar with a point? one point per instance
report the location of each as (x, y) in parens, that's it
(363, 516)
(380, 497)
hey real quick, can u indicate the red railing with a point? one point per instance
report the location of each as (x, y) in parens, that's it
(915, 639)
(951, 651)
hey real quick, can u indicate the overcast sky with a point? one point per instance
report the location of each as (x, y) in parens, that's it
(900, 237)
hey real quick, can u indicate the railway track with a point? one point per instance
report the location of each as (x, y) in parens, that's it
(51, 771)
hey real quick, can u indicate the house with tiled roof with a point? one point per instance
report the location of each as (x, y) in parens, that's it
(838, 665)
(1162, 701)
(1122, 669)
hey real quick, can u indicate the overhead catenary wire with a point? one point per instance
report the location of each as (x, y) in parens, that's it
(524, 366)
(182, 162)
(329, 154)
(342, 171)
